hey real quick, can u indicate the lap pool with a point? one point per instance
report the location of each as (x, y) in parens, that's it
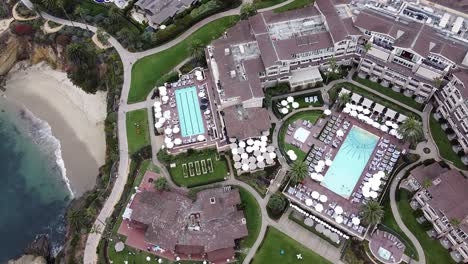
(350, 161)
(191, 122)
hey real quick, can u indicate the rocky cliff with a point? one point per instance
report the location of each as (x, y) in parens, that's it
(28, 259)
(10, 49)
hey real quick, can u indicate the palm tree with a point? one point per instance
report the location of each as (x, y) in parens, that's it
(372, 213)
(197, 50)
(367, 47)
(61, 4)
(49, 4)
(79, 11)
(333, 67)
(411, 130)
(76, 52)
(298, 171)
(343, 99)
(76, 218)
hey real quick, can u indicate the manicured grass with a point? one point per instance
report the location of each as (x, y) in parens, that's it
(253, 215)
(389, 222)
(276, 104)
(369, 95)
(390, 93)
(275, 242)
(259, 4)
(220, 169)
(147, 71)
(443, 143)
(311, 116)
(296, 4)
(435, 253)
(137, 130)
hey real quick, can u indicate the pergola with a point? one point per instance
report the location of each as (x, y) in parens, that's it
(390, 113)
(356, 97)
(367, 103)
(378, 108)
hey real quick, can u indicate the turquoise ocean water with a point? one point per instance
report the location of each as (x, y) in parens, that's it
(34, 192)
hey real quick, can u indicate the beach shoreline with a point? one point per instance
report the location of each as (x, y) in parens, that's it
(76, 118)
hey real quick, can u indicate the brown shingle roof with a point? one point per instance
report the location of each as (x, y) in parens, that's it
(430, 172)
(243, 123)
(336, 26)
(286, 48)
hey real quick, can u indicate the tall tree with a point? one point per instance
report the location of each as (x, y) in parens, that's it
(372, 213)
(61, 4)
(76, 218)
(276, 204)
(298, 171)
(161, 184)
(411, 130)
(80, 11)
(247, 10)
(343, 99)
(333, 67)
(197, 50)
(367, 47)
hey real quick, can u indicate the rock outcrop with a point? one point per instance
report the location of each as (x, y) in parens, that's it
(29, 259)
(10, 49)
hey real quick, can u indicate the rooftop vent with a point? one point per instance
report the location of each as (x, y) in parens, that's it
(233, 74)
(212, 200)
(436, 181)
(244, 221)
(227, 51)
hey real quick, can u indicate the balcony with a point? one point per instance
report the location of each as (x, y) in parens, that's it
(382, 45)
(434, 65)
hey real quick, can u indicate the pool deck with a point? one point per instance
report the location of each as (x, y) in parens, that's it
(214, 137)
(381, 239)
(351, 208)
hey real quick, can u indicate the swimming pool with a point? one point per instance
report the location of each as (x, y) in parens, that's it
(191, 122)
(350, 161)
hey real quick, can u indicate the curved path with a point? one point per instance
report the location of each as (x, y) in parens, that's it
(397, 216)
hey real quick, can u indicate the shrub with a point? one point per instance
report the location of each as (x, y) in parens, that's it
(276, 205)
(161, 184)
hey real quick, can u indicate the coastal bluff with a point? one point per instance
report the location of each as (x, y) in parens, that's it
(29, 259)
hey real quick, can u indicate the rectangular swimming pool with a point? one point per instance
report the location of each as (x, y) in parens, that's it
(350, 161)
(191, 122)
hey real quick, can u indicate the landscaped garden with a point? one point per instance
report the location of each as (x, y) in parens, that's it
(333, 93)
(299, 219)
(147, 71)
(443, 143)
(137, 130)
(279, 248)
(435, 253)
(196, 168)
(296, 4)
(312, 99)
(409, 101)
(260, 180)
(311, 116)
(253, 215)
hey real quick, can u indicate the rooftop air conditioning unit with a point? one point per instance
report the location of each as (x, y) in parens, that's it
(233, 74)
(227, 51)
(436, 181)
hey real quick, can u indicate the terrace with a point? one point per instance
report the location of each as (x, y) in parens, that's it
(360, 146)
(183, 112)
(386, 247)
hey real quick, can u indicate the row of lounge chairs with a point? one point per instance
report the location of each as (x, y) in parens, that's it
(311, 99)
(396, 241)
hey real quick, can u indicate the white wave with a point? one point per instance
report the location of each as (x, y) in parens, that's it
(41, 134)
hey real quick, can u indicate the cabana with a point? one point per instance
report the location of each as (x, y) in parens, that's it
(356, 97)
(367, 103)
(390, 113)
(401, 118)
(378, 108)
(344, 91)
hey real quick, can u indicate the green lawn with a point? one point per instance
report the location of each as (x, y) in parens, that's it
(259, 4)
(443, 143)
(390, 93)
(311, 116)
(435, 253)
(389, 222)
(220, 169)
(276, 104)
(147, 71)
(296, 4)
(372, 96)
(137, 130)
(253, 216)
(275, 242)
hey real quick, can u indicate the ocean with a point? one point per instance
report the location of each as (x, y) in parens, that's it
(34, 189)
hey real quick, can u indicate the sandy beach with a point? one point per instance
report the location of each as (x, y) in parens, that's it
(76, 118)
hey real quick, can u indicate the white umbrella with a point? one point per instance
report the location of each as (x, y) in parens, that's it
(272, 155)
(162, 120)
(284, 110)
(384, 128)
(352, 107)
(395, 126)
(388, 123)
(163, 93)
(328, 162)
(399, 136)
(366, 193)
(293, 157)
(376, 124)
(237, 165)
(245, 167)
(170, 145)
(353, 113)
(167, 140)
(346, 110)
(290, 152)
(167, 114)
(373, 194)
(319, 177)
(323, 198)
(261, 164)
(356, 221)
(327, 112)
(270, 148)
(359, 108)
(317, 168)
(168, 131)
(369, 121)
(366, 111)
(244, 156)
(260, 158)
(264, 139)
(177, 141)
(176, 130)
(158, 115)
(340, 133)
(236, 157)
(157, 104)
(284, 103)
(315, 195)
(290, 99)
(319, 207)
(250, 142)
(338, 209)
(349, 105)
(165, 98)
(242, 144)
(339, 219)
(308, 202)
(234, 151)
(249, 149)
(148, 259)
(360, 116)
(158, 125)
(201, 137)
(381, 174)
(313, 175)
(252, 166)
(393, 132)
(321, 163)
(295, 105)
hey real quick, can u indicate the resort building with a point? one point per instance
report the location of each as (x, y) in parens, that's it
(442, 195)
(158, 11)
(452, 101)
(169, 224)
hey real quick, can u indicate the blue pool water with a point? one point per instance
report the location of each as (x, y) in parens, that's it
(350, 161)
(191, 122)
